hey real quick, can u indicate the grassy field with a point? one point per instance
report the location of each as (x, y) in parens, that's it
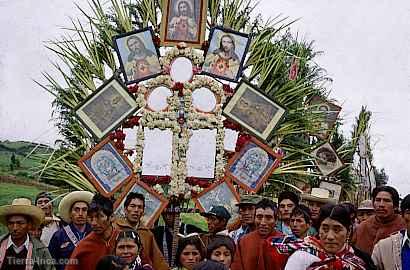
(8, 192)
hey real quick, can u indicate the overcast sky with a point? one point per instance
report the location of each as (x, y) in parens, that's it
(366, 52)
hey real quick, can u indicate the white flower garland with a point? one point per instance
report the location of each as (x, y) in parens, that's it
(198, 120)
(193, 120)
(196, 56)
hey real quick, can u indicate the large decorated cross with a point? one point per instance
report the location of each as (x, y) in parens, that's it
(184, 118)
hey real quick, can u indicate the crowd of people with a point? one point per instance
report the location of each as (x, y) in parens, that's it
(308, 232)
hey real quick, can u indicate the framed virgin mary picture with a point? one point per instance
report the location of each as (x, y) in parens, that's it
(251, 167)
(106, 168)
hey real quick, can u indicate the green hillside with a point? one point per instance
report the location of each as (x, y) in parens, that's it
(23, 153)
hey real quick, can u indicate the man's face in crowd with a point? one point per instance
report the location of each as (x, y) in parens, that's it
(383, 205)
(18, 226)
(299, 226)
(314, 208)
(247, 214)
(169, 219)
(99, 222)
(215, 224)
(264, 221)
(286, 207)
(363, 215)
(79, 213)
(134, 211)
(134, 45)
(227, 44)
(45, 205)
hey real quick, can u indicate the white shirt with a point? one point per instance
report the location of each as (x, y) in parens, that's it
(300, 260)
(406, 239)
(15, 247)
(48, 231)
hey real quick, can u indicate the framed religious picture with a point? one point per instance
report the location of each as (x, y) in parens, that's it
(139, 58)
(154, 202)
(106, 168)
(253, 110)
(220, 193)
(326, 159)
(226, 54)
(183, 21)
(252, 165)
(330, 113)
(105, 109)
(334, 189)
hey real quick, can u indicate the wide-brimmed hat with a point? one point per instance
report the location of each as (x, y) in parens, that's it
(366, 205)
(22, 206)
(318, 195)
(64, 208)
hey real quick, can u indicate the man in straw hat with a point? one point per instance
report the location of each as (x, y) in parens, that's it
(18, 250)
(246, 208)
(101, 241)
(51, 222)
(73, 210)
(316, 199)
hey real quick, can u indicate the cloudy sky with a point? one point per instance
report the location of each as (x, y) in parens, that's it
(366, 52)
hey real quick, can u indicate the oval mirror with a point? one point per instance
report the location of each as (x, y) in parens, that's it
(181, 69)
(157, 99)
(204, 99)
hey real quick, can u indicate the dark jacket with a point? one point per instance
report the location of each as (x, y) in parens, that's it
(365, 257)
(61, 246)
